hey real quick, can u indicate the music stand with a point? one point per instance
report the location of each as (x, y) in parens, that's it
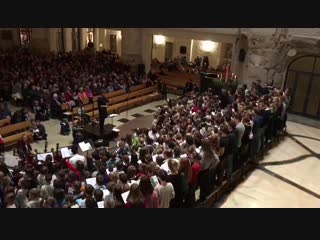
(112, 116)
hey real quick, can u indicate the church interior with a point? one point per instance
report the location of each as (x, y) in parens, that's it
(159, 117)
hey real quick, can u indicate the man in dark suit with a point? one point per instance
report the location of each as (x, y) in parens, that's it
(103, 114)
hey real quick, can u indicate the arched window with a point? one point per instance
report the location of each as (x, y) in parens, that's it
(303, 79)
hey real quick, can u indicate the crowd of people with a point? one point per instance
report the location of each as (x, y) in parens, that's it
(194, 143)
(45, 82)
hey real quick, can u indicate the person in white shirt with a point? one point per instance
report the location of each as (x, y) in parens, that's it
(165, 190)
(77, 157)
(47, 189)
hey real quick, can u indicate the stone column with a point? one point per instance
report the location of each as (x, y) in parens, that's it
(83, 39)
(67, 38)
(147, 41)
(131, 46)
(40, 40)
(96, 39)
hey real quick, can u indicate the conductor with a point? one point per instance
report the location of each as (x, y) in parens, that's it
(103, 114)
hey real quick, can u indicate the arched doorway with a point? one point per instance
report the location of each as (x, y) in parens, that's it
(303, 78)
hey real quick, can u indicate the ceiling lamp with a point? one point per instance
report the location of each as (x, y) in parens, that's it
(159, 39)
(209, 46)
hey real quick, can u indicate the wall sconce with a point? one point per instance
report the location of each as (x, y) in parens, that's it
(159, 39)
(208, 46)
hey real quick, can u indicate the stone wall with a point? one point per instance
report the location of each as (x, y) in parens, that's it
(267, 56)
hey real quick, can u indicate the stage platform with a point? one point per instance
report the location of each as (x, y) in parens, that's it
(93, 132)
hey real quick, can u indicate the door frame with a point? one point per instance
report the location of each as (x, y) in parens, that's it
(311, 75)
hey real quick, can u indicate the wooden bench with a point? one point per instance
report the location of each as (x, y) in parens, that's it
(176, 81)
(5, 121)
(113, 101)
(13, 133)
(117, 108)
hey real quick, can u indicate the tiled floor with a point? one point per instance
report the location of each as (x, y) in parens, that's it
(288, 176)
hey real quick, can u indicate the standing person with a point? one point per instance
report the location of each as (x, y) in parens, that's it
(163, 91)
(175, 179)
(103, 113)
(165, 190)
(240, 129)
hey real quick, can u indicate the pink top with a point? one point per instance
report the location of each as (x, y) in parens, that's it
(152, 201)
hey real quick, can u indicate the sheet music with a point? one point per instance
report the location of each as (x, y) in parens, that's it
(113, 115)
(66, 152)
(106, 193)
(91, 181)
(85, 146)
(115, 130)
(133, 181)
(154, 181)
(42, 156)
(100, 204)
(124, 196)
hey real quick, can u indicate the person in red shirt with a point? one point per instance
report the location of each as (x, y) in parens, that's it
(196, 167)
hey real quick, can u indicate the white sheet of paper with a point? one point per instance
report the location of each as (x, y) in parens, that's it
(132, 182)
(166, 167)
(66, 152)
(183, 156)
(154, 157)
(85, 146)
(139, 162)
(91, 181)
(113, 115)
(100, 204)
(114, 170)
(124, 196)
(42, 156)
(106, 193)
(115, 130)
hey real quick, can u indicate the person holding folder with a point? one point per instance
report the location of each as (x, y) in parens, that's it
(103, 113)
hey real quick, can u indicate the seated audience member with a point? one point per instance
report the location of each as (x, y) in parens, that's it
(24, 148)
(39, 131)
(4, 111)
(165, 190)
(82, 96)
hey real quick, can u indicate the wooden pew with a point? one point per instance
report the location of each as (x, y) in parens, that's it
(13, 133)
(5, 121)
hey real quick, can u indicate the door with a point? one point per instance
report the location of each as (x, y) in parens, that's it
(303, 78)
(113, 43)
(168, 51)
